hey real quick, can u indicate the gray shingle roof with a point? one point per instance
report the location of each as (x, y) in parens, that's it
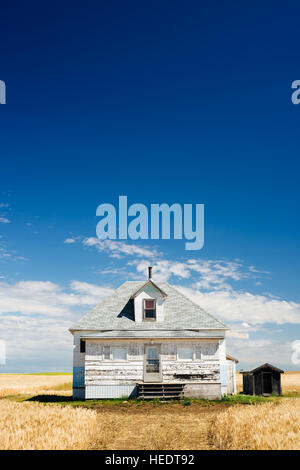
(116, 312)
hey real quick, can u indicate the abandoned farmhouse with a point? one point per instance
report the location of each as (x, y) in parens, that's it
(147, 339)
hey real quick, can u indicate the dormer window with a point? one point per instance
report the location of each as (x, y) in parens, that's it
(149, 310)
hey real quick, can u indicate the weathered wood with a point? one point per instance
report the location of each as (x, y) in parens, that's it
(100, 371)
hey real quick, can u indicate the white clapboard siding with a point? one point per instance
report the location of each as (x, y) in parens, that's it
(109, 391)
(100, 372)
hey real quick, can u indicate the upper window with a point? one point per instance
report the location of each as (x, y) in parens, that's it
(82, 346)
(149, 309)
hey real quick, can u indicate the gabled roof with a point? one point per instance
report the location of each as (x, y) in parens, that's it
(264, 366)
(116, 313)
(147, 283)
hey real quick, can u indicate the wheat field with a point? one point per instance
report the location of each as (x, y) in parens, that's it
(268, 426)
(132, 425)
(34, 426)
(11, 384)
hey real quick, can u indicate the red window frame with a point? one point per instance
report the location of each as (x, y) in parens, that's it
(149, 309)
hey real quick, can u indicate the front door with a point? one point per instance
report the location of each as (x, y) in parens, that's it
(267, 382)
(152, 367)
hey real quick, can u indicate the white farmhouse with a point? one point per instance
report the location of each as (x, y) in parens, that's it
(147, 339)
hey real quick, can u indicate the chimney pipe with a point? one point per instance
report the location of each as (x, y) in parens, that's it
(150, 272)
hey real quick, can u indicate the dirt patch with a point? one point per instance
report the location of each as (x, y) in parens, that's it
(156, 427)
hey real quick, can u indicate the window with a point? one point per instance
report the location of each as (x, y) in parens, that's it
(82, 346)
(198, 352)
(149, 309)
(185, 353)
(106, 352)
(209, 350)
(119, 354)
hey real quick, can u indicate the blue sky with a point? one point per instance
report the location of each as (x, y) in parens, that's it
(161, 102)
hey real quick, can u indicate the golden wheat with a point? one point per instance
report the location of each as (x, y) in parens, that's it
(35, 426)
(290, 382)
(19, 384)
(143, 426)
(268, 426)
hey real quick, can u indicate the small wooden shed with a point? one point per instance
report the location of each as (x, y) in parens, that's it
(263, 380)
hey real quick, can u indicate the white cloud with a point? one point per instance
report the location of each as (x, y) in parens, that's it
(234, 306)
(6, 255)
(259, 271)
(210, 285)
(70, 240)
(204, 274)
(237, 334)
(118, 249)
(163, 269)
(32, 297)
(32, 338)
(35, 317)
(252, 352)
(90, 293)
(4, 220)
(47, 298)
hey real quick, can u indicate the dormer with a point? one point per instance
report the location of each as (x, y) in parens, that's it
(149, 302)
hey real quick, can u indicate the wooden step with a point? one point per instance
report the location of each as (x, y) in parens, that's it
(159, 389)
(153, 397)
(150, 391)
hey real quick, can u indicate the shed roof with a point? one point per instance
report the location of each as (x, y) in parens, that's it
(264, 366)
(116, 313)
